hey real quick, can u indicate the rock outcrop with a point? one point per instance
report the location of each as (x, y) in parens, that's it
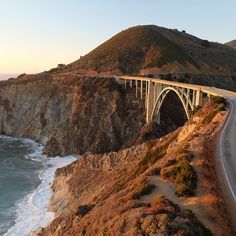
(70, 114)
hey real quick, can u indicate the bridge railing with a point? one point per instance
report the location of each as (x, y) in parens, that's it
(191, 95)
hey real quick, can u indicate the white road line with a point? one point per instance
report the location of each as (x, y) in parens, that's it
(221, 151)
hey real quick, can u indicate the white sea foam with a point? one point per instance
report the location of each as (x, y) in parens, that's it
(32, 212)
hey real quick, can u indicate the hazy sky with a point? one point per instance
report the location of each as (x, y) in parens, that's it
(36, 35)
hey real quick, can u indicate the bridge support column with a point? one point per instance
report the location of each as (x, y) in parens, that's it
(136, 84)
(130, 83)
(198, 98)
(159, 88)
(150, 102)
(209, 97)
(146, 94)
(141, 89)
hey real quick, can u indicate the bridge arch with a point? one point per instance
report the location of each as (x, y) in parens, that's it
(183, 97)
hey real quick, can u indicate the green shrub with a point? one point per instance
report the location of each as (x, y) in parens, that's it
(154, 171)
(183, 154)
(170, 162)
(205, 43)
(151, 157)
(183, 176)
(220, 100)
(143, 188)
(83, 210)
(149, 225)
(154, 154)
(183, 150)
(188, 213)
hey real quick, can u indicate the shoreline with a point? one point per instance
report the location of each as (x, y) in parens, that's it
(32, 212)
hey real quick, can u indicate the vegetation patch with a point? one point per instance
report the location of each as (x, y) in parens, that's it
(83, 210)
(170, 220)
(183, 154)
(142, 188)
(161, 204)
(154, 154)
(205, 44)
(155, 171)
(220, 100)
(183, 176)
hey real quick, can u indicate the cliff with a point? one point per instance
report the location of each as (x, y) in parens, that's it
(166, 186)
(71, 114)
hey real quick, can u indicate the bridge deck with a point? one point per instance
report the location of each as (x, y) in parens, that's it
(205, 89)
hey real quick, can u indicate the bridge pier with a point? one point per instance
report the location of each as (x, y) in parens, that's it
(130, 83)
(199, 96)
(150, 101)
(136, 85)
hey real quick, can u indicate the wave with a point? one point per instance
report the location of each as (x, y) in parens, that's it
(32, 212)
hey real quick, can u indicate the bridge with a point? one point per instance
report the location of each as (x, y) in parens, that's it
(154, 91)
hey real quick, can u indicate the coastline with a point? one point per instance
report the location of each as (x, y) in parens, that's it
(100, 192)
(32, 211)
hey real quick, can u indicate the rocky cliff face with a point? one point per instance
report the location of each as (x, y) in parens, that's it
(70, 114)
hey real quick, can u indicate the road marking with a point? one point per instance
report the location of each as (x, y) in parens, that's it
(221, 151)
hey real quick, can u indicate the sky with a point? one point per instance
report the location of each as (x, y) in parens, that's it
(36, 35)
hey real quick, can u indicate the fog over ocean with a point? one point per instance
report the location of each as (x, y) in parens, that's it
(4, 76)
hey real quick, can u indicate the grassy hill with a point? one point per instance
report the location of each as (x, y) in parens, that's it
(232, 44)
(153, 49)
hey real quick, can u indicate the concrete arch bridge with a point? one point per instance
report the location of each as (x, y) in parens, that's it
(155, 91)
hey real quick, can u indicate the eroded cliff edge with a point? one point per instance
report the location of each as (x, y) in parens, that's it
(165, 186)
(71, 114)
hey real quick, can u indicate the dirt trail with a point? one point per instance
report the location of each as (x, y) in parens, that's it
(195, 203)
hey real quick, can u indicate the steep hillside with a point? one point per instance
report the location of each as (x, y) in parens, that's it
(70, 114)
(232, 44)
(162, 187)
(152, 49)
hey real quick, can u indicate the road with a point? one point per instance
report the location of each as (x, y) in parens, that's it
(227, 142)
(228, 147)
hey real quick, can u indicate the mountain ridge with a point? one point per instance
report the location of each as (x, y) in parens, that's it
(232, 44)
(152, 49)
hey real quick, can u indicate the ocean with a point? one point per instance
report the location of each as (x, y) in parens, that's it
(4, 76)
(25, 185)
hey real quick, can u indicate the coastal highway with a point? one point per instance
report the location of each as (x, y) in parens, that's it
(228, 146)
(227, 142)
